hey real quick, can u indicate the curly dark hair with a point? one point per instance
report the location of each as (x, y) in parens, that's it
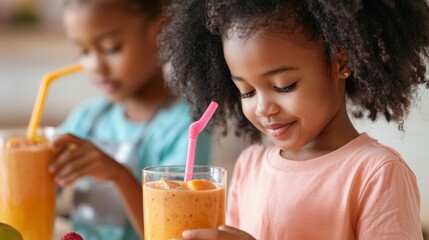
(151, 7)
(386, 40)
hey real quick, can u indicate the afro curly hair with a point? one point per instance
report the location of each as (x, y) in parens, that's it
(387, 42)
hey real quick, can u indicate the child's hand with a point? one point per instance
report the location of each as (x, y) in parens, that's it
(77, 157)
(222, 233)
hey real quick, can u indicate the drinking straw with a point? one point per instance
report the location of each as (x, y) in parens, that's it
(194, 130)
(41, 97)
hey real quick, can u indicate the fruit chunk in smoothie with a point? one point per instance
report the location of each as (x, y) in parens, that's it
(200, 184)
(195, 185)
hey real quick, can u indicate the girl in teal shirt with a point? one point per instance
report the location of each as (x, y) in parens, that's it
(137, 122)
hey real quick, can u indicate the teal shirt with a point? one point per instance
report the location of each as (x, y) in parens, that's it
(162, 141)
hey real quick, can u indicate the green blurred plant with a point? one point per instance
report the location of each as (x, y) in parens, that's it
(25, 15)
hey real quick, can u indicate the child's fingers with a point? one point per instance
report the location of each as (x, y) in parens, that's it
(75, 165)
(58, 151)
(65, 157)
(202, 234)
(235, 231)
(69, 179)
(223, 232)
(65, 140)
(229, 229)
(74, 171)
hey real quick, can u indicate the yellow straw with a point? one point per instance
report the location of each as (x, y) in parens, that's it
(41, 97)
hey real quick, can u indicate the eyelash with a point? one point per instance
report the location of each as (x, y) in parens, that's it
(114, 50)
(286, 89)
(247, 95)
(280, 90)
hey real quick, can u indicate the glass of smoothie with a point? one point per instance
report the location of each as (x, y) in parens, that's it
(27, 189)
(171, 206)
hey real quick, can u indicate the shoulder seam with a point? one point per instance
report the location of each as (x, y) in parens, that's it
(397, 159)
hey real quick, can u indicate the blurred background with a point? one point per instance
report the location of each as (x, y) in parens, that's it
(32, 43)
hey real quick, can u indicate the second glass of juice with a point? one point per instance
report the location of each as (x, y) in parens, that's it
(171, 206)
(27, 189)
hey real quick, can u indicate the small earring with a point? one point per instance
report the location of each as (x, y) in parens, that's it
(346, 74)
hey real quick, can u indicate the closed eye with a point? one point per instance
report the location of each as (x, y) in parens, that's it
(286, 89)
(247, 95)
(113, 50)
(83, 52)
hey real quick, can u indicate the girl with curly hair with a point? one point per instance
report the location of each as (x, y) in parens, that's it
(294, 70)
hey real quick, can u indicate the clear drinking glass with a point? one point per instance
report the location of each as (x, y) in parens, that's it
(27, 189)
(168, 212)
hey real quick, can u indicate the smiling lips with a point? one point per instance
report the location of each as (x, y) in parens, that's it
(109, 86)
(276, 130)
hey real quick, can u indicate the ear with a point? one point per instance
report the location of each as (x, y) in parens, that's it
(156, 24)
(153, 29)
(340, 64)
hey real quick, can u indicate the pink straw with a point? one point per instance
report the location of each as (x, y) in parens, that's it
(194, 130)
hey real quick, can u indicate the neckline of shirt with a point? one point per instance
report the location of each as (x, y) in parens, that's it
(277, 162)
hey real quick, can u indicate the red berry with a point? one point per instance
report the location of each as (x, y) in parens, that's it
(71, 236)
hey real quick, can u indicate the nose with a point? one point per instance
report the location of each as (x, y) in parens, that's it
(95, 64)
(266, 106)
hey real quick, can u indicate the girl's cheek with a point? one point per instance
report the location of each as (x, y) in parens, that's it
(248, 110)
(249, 113)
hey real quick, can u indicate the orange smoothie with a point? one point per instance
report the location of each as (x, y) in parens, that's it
(169, 210)
(27, 189)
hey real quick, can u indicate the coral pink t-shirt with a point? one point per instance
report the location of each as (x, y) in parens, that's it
(364, 190)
